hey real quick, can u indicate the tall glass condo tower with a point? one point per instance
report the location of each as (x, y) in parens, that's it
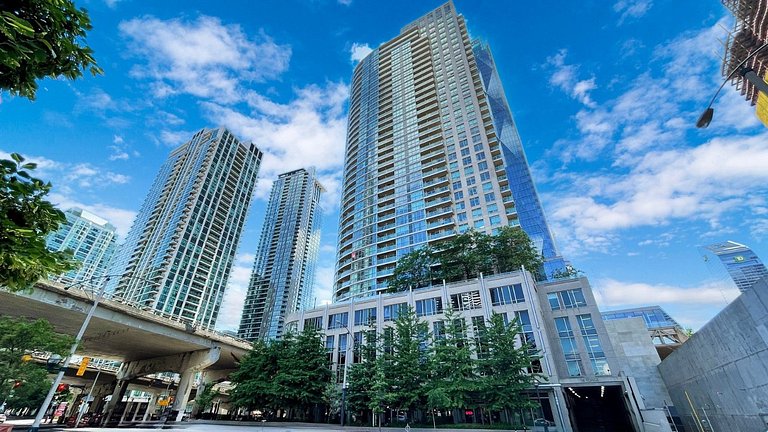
(282, 279)
(92, 242)
(178, 255)
(432, 150)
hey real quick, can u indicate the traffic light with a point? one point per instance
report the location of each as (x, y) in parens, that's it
(62, 388)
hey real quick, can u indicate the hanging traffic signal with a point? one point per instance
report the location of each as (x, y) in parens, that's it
(62, 388)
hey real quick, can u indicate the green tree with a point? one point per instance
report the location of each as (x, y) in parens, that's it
(464, 256)
(511, 249)
(507, 367)
(452, 379)
(414, 270)
(204, 399)
(362, 375)
(17, 338)
(25, 219)
(407, 364)
(253, 380)
(303, 373)
(42, 38)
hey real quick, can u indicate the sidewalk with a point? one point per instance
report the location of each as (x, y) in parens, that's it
(329, 427)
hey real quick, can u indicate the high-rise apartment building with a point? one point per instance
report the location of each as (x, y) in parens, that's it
(742, 264)
(92, 242)
(178, 255)
(284, 270)
(432, 150)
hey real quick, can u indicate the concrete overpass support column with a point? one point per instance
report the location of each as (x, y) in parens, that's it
(117, 396)
(192, 363)
(209, 378)
(150, 406)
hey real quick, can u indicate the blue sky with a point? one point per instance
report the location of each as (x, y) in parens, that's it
(605, 95)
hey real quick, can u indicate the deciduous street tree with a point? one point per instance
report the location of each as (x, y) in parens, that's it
(42, 38)
(26, 381)
(26, 217)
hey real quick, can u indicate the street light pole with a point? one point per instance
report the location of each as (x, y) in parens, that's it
(748, 74)
(350, 343)
(44, 407)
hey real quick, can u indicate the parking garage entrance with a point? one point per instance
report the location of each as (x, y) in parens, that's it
(600, 408)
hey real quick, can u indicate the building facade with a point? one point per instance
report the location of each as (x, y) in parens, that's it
(742, 264)
(432, 151)
(283, 273)
(749, 34)
(585, 384)
(178, 255)
(92, 241)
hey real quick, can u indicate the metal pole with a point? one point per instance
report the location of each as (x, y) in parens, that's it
(48, 398)
(87, 398)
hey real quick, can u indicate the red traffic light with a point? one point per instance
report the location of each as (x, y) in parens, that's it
(62, 387)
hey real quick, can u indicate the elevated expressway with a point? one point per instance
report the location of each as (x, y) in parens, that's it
(146, 343)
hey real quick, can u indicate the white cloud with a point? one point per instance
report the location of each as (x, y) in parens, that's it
(565, 77)
(690, 306)
(359, 52)
(204, 57)
(631, 8)
(657, 176)
(698, 183)
(309, 131)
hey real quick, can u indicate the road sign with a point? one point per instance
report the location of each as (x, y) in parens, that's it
(83, 366)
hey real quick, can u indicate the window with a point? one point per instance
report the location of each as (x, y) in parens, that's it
(474, 202)
(391, 312)
(457, 185)
(458, 195)
(365, 316)
(490, 197)
(566, 299)
(495, 220)
(339, 320)
(315, 323)
(594, 347)
(466, 301)
(480, 223)
(507, 294)
(568, 344)
(476, 213)
(426, 307)
(461, 217)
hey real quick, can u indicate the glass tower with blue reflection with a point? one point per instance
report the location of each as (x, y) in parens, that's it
(742, 264)
(179, 252)
(432, 151)
(282, 279)
(92, 242)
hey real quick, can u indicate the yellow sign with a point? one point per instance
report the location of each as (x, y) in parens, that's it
(83, 365)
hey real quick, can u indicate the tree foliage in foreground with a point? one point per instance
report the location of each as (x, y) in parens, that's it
(289, 374)
(449, 370)
(465, 256)
(26, 217)
(24, 384)
(42, 38)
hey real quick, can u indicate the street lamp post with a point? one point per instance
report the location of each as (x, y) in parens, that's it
(748, 74)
